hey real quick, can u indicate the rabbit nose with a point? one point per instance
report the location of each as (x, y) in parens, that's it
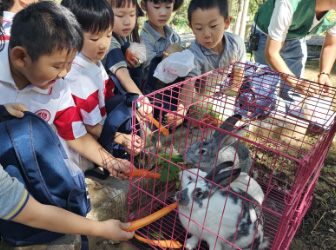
(182, 197)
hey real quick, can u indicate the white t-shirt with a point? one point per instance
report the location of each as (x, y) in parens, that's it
(55, 105)
(282, 18)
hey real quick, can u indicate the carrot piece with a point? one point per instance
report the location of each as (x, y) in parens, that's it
(157, 124)
(136, 224)
(143, 173)
(161, 243)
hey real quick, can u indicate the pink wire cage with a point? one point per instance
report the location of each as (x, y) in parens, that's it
(287, 146)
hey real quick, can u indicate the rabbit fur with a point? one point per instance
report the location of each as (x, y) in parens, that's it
(207, 201)
(205, 154)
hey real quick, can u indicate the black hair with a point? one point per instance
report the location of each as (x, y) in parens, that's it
(177, 3)
(94, 16)
(7, 4)
(134, 37)
(222, 5)
(44, 28)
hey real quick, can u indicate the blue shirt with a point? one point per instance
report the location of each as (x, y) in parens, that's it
(207, 60)
(155, 43)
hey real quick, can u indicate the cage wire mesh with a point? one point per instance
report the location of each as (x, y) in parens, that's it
(285, 147)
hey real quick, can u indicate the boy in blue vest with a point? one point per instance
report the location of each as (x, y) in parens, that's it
(213, 47)
(282, 27)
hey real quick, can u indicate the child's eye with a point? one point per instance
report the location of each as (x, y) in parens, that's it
(56, 67)
(94, 40)
(214, 26)
(199, 29)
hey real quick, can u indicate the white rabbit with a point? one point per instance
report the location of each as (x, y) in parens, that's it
(221, 147)
(208, 201)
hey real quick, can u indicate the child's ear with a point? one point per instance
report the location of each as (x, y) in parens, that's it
(19, 56)
(143, 6)
(227, 22)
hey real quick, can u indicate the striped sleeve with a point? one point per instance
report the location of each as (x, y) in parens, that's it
(13, 196)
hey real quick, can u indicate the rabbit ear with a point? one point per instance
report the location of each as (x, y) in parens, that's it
(229, 125)
(222, 175)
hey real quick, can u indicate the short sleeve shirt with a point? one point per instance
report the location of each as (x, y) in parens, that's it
(87, 82)
(282, 18)
(155, 43)
(13, 196)
(207, 60)
(55, 105)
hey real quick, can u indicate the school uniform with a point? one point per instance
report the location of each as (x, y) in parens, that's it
(87, 83)
(155, 43)
(207, 60)
(13, 196)
(55, 104)
(115, 60)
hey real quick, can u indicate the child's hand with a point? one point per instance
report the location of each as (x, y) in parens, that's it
(16, 109)
(127, 143)
(144, 111)
(176, 120)
(172, 48)
(117, 167)
(114, 230)
(131, 60)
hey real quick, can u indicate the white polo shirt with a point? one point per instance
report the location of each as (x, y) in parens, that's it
(7, 23)
(87, 83)
(55, 105)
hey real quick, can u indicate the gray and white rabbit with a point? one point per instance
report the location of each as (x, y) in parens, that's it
(203, 203)
(224, 145)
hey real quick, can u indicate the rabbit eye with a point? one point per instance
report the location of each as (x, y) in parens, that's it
(198, 194)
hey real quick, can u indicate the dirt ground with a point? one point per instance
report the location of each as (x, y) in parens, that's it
(318, 227)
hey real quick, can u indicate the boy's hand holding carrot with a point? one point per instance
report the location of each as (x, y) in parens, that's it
(115, 230)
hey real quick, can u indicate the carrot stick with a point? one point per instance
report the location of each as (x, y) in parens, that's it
(136, 224)
(161, 243)
(157, 124)
(143, 173)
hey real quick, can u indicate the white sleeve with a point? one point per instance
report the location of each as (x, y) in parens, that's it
(281, 20)
(332, 31)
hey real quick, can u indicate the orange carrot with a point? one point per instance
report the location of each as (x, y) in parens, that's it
(157, 124)
(143, 173)
(161, 243)
(136, 224)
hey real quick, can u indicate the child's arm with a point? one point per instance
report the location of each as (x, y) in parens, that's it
(129, 85)
(35, 214)
(120, 138)
(88, 147)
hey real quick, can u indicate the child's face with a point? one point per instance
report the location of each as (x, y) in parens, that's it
(158, 14)
(208, 27)
(44, 72)
(96, 45)
(124, 20)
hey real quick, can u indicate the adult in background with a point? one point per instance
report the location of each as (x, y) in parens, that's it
(282, 27)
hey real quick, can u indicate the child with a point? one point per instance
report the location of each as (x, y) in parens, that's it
(159, 38)
(87, 77)
(17, 205)
(213, 47)
(125, 30)
(11, 7)
(44, 41)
